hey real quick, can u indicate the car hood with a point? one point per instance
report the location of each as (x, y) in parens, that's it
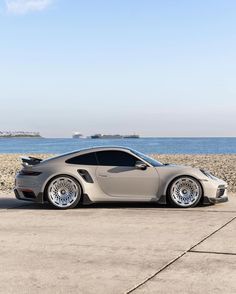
(172, 165)
(177, 168)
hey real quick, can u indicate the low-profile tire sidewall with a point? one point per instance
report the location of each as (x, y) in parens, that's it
(75, 203)
(173, 203)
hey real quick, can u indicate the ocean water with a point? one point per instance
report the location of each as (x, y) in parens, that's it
(145, 145)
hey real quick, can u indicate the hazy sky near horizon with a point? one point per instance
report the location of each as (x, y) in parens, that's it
(157, 68)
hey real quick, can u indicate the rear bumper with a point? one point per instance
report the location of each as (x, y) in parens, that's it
(25, 195)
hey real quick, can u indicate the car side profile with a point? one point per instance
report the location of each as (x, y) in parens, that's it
(105, 174)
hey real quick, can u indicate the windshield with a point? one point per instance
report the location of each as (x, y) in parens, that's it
(148, 159)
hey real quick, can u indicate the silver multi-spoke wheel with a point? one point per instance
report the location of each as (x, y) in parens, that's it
(185, 192)
(63, 192)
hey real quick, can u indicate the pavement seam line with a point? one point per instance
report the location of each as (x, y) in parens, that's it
(178, 257)
(212, 252)
(156, 273)
(214, 232)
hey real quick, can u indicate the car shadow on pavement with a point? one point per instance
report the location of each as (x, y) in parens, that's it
(11, 203)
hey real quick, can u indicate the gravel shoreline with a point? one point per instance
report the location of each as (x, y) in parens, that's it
(221, 165)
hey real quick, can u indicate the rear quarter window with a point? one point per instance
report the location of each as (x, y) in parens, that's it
(85, 159)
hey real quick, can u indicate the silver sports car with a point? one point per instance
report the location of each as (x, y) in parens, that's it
(114, 174)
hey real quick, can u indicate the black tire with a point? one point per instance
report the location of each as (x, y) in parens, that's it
(63, 192)
(184, 192)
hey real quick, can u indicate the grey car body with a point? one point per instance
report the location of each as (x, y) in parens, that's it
(104, 174)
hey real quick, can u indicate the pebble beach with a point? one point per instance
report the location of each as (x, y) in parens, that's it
(221, 165)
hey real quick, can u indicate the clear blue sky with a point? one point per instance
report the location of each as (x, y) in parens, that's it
(158, 68)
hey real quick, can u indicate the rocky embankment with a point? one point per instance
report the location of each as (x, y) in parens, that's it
(222, 166)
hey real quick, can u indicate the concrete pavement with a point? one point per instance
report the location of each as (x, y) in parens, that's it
(125, 248)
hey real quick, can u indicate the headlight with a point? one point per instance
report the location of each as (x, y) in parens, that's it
(208, 174)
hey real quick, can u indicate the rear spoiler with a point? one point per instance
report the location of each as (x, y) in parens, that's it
(26, 161)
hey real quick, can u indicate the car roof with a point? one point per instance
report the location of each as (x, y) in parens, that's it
(98, 148)
(88, 150)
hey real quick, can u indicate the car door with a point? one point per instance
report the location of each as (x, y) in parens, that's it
(117, 175)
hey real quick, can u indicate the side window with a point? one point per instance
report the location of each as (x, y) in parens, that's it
(85, 159)
(115, 158)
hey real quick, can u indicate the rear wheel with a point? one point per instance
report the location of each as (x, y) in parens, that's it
(185, 192)
(63, 192)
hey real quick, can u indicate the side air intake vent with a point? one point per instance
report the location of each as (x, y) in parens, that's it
(85, 175)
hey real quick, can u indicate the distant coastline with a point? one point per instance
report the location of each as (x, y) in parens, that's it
(19, 134)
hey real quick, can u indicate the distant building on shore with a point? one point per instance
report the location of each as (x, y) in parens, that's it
(16, 134)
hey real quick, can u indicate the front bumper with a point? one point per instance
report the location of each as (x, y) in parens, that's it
(212, 200)
(217, 194)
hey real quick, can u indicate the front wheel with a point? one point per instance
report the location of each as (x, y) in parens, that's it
(185, 192)
(63, 192)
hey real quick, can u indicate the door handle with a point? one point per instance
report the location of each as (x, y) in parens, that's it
(103, 176)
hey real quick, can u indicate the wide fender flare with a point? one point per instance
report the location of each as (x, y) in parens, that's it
(175, 177)
(63, 174)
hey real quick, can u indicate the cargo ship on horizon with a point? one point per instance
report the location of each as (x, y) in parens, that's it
(77, 135)
(134, 136)
(117, 136)
(102, 136)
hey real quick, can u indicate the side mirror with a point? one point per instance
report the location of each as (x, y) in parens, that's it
(140, 165)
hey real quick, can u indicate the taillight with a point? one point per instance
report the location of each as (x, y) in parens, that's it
(29, 173)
